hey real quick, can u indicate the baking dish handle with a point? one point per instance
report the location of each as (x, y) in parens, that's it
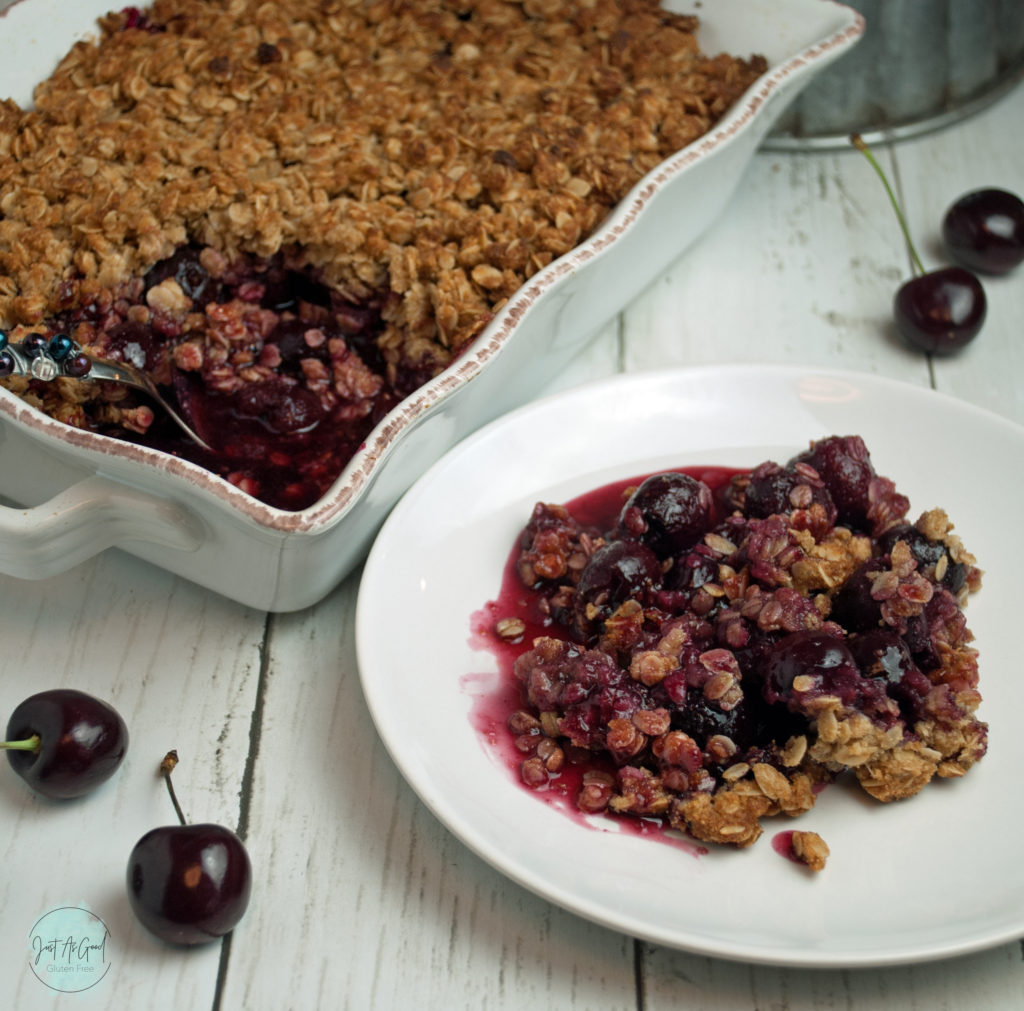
(92, 515)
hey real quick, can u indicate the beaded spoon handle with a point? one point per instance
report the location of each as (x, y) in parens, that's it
(49, 358)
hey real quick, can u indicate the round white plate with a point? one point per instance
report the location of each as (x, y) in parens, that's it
(934, 876)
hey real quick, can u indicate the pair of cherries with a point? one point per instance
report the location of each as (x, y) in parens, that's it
(940, 311)
(187, 884)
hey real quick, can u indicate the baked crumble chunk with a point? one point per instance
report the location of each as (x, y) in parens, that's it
(375, 177)
(711, 654)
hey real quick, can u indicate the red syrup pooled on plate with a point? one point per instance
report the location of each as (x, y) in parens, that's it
(497, 696)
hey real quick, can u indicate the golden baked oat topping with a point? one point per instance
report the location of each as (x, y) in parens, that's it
(420, 158)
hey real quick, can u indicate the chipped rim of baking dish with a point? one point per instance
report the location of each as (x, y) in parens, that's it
(361, 470)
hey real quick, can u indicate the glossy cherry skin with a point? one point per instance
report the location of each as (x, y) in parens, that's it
(668, 512)
(825, 666)
(189, 884)
(82, 741)
(617, 571)
(823, 659)
(771, 487)
(941, 311)
(984, 230)
(853, 607)
(927, 553)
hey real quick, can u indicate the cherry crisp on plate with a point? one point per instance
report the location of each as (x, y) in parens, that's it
(712, 647)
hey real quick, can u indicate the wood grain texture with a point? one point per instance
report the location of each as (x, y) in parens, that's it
(365, 897)
(800, 269)
(180, 666)
(994, 979)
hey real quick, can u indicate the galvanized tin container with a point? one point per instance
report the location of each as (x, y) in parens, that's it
(920, 65)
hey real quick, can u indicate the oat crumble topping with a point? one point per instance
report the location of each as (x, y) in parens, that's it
(809, 848)
(420, 158)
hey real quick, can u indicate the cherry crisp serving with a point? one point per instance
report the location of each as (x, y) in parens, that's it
(711, 647)
(292, 214)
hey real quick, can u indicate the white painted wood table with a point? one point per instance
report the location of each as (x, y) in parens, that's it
(362, 899)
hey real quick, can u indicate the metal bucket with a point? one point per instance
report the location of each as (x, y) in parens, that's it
(920, 65)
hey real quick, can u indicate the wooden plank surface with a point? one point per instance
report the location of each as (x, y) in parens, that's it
(181, 665)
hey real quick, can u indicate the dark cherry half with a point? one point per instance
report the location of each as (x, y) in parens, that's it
(844, 465)
(824, 666)
(617, 571)
(773, 489)
(668, 512)
(882, 654)
(927, 553)
(853, 607)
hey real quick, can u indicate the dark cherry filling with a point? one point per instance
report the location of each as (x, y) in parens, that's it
(929, 554)
(195, 281)
(618, 571)
(774, 489)
(806, 665)
(844, 466)
(661, 645)
(853, 606)
(668, 512)
(884, 655)
(299, 390)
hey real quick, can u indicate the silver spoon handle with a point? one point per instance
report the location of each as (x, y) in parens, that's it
(119, 372)
(60, 356)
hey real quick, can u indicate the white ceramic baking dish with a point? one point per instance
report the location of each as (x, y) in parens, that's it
(81, 493)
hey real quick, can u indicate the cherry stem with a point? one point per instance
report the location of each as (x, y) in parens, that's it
(166, 767)
(32, 743)
(858, 142)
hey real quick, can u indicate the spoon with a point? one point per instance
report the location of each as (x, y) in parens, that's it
(48, 359)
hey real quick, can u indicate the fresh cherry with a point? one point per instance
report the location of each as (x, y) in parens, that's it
(64, 743)
(984, 230)
(938, 311)
(188, 884)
